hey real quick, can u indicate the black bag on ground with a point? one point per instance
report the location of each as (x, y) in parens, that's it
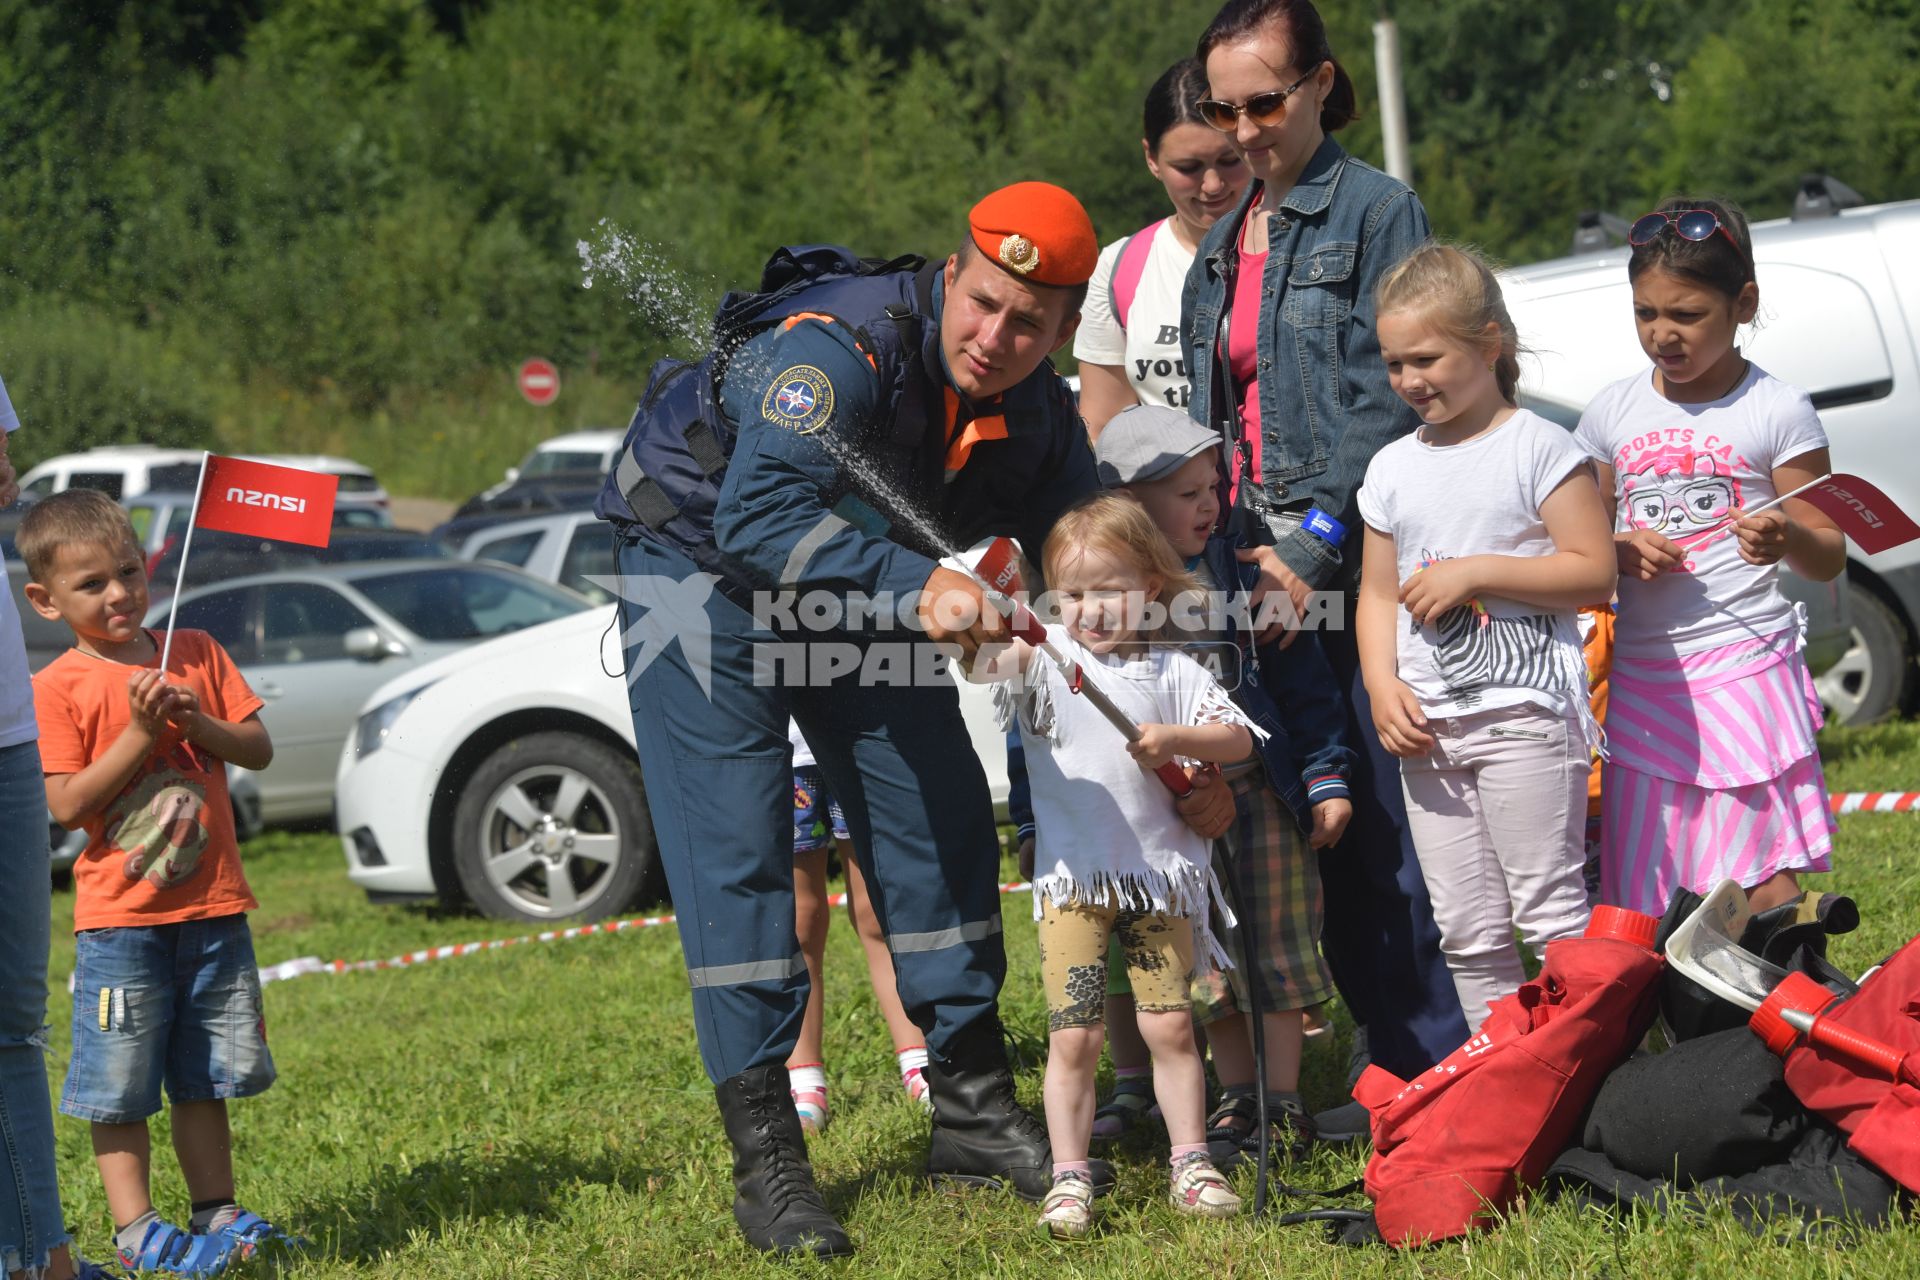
(1712, 1118)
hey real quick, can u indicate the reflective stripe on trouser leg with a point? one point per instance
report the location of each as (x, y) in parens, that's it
(719, 779)
(901, 763)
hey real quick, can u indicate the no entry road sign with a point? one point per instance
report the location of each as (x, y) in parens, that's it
(539, 381)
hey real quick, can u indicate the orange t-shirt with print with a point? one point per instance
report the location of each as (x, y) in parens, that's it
(163, 850)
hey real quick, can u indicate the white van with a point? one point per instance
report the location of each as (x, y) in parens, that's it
(117, 470)
(1839, 298)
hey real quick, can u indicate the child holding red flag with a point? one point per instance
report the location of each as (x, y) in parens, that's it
(1712, 773)
(165, 984)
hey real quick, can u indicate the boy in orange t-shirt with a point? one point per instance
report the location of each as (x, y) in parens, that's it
(165, 984)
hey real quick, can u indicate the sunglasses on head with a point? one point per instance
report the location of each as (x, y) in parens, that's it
(1689, 224)
(1263, 109)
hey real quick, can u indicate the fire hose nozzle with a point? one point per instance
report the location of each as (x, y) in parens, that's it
(1798, 1007)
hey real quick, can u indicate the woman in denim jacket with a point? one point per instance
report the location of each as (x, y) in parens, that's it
(1303, 395)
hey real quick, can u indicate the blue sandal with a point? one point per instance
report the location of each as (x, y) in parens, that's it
(167, 1249)
(86, 1270)
(247, 1233)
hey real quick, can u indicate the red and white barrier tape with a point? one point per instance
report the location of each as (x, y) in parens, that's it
(304, 965)
(1874, 801)
(1842, 802)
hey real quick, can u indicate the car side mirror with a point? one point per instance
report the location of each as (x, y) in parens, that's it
(368, 644)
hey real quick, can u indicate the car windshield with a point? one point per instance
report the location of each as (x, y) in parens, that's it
(546, 462)
(467, 602)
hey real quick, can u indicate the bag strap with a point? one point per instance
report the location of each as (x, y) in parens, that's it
(1128, 270)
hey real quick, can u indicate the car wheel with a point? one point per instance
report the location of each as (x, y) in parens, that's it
(1874, 677)
(554, 826)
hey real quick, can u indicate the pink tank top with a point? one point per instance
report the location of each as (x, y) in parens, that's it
(1243, 357)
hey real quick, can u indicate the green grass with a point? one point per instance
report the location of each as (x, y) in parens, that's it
(541, 1112)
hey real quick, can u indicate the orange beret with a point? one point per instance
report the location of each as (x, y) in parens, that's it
(1036, 231)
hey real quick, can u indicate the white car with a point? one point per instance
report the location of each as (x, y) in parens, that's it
(568, 547)
(1839, 306)
(117, 470)
(506, 774)
(575, 451)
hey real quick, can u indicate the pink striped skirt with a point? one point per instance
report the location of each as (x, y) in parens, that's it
(1712, 773)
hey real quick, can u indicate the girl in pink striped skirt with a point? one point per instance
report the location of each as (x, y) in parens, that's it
(1711, 770)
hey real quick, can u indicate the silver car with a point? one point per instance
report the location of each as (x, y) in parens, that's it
(314, 642)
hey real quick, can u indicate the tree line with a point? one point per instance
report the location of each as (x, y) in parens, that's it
(342, 222)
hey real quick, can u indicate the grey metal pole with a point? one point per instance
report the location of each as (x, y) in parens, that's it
(1393, 100)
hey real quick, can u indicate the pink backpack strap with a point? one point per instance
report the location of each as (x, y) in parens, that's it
(1128, 270)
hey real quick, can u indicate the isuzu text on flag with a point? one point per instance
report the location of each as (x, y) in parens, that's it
(1865, 514)
(265, 501)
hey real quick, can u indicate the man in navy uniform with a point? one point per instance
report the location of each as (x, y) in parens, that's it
(877, 419)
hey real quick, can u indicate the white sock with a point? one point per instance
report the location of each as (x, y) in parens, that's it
(810, 1078)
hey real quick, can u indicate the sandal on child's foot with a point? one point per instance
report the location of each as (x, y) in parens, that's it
(1067, 1212)
(1121, 1113)
(246, 1233)
(169, 1250)
(1233, 1130)
(83, 1269)
(1196, 1187)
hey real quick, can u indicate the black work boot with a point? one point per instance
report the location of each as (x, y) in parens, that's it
(774, 1199)
(981, 1136)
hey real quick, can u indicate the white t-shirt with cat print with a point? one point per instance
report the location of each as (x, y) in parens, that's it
(1681, 469)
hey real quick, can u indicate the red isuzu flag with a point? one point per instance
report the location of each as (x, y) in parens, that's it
(265, 501)
(1866, 515)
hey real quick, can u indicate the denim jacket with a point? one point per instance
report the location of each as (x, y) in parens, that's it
(1326, 406)
(1291, 694)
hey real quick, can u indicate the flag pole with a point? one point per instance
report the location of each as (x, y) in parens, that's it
(186, 546)
(1685, 538)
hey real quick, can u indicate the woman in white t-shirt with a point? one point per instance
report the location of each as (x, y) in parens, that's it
(1711, 772)
(1485, 535)
(1128, 345)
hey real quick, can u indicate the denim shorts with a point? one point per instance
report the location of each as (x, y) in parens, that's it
(817, 818)
(178, 1003)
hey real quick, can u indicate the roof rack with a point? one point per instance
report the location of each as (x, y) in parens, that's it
(1823, 196)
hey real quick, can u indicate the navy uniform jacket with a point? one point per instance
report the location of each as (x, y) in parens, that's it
(832, 487)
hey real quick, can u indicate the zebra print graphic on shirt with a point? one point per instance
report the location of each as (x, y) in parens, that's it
(1475, 649)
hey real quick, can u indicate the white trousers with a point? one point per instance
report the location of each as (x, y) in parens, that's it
(1498, 812)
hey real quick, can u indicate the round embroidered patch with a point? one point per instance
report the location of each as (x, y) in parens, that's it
(801, 399)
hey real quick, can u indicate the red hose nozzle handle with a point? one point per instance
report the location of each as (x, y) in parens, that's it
(1797, 1007)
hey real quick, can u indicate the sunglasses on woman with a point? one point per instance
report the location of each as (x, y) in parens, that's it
(1689, 224)
(1263, 109)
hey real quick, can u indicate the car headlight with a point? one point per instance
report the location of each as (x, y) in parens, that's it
(370, 734)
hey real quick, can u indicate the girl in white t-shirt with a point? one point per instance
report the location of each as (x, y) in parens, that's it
(1128, 344)
(1485, 535)
(1711, 772)
(1113, 855)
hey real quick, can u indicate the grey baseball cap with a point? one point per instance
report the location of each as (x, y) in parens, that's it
(1148, 442)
